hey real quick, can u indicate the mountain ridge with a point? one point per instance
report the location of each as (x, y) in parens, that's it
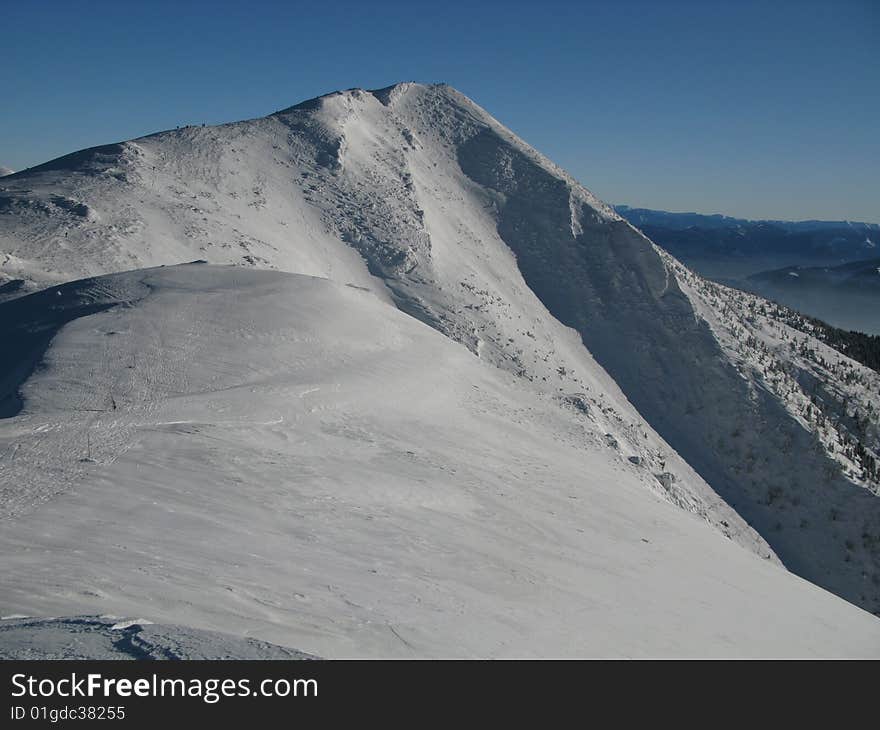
(429, 202)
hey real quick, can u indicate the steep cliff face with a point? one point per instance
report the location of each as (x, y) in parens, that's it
(671, 342)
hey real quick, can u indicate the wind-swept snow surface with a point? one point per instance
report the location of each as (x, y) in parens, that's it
(296, 460)
(108, 637)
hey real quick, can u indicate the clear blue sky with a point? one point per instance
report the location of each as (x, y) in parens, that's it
(764, 109)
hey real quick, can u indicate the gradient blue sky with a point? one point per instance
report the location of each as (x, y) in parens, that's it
(755, 109)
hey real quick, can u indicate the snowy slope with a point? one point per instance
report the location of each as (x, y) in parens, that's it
(295, 460)
(110, 637)
(418, 195)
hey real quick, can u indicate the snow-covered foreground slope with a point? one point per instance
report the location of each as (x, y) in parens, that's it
(295, 460)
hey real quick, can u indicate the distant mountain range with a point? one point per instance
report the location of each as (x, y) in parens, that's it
(845, 296)
(680, 221)
(822, 268)
(857, 275)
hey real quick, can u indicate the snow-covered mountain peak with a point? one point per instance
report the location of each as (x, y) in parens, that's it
(391, 95)
(418, 195)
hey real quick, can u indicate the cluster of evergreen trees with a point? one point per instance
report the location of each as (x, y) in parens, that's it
(859, 346)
